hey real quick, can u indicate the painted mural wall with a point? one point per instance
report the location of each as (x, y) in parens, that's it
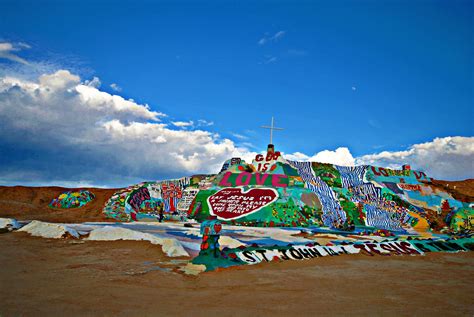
(275, 192)
(154, 200)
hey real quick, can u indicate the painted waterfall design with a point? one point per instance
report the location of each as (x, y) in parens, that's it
(333, 214)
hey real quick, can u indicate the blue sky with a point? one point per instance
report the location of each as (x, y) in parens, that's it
(371, 76)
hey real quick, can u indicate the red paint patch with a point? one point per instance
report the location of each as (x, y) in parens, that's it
(217, 228)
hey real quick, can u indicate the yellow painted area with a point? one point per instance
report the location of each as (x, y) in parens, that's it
(422, 226)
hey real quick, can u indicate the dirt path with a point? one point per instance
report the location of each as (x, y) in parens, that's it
(62, 277)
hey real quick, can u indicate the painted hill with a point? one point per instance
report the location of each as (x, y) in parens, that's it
(275, 192)
(270, 191)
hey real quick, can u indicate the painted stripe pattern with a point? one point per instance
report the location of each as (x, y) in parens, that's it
(351, 176)
(333, 214)
(367, 191)
(375, 216)
(384, 219)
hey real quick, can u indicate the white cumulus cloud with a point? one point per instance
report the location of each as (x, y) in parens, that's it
(443, 158)
(341, 156)
(448, 158)
(56, 129)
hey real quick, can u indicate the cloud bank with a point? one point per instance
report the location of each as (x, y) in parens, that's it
(57, 129)
(443, 158)
(448, 158)
(61, 130)
(341, 156)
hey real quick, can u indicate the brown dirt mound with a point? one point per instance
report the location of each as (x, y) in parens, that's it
(460, 190)
(31, 203)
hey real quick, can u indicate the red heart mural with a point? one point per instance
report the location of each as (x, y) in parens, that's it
(233, 203)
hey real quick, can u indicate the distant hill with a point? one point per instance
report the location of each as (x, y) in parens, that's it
(32, 203)
(461, 190)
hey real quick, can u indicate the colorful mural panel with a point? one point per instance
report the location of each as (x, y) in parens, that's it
(72, 199)
(153, 200)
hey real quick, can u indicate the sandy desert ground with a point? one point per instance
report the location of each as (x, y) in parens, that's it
(45, 277)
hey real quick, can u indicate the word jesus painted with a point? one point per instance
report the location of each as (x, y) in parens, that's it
(234, 203)
(263, 254)
(245, 178)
